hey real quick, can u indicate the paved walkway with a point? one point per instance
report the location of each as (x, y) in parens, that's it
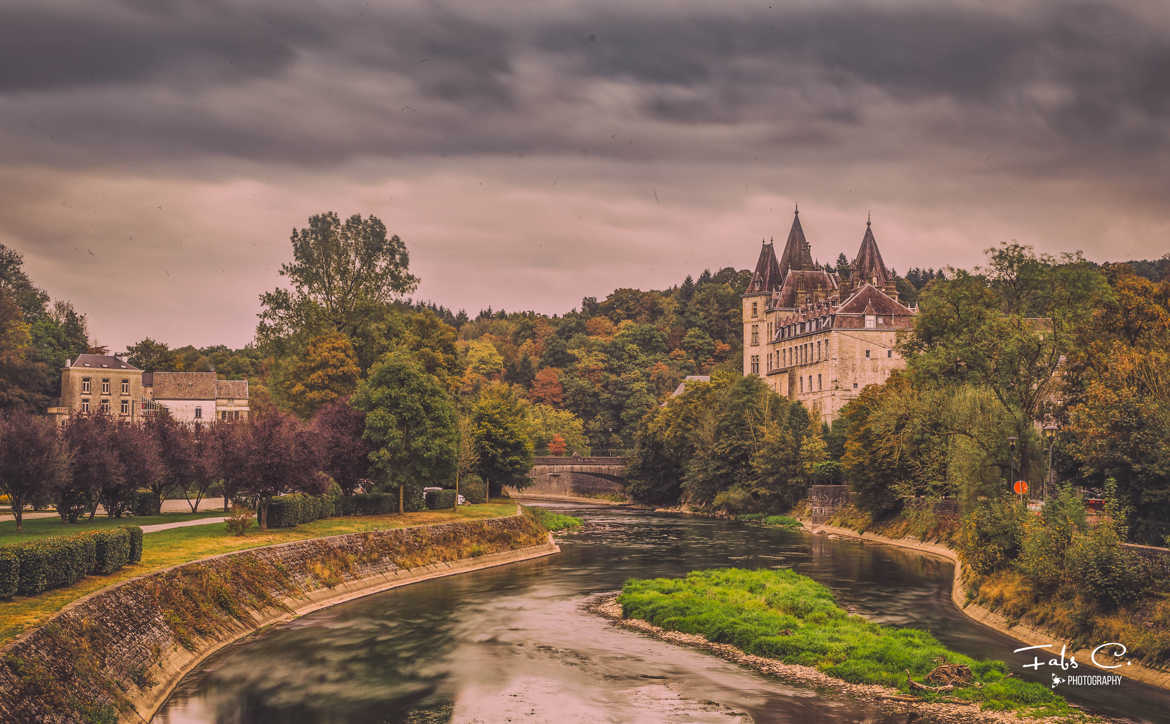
(184, 524)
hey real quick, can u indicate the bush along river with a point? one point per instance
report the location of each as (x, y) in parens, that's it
(518, 642)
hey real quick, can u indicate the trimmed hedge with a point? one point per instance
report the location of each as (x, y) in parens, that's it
(287, 511)
(46, 563)
(112, 549)
(135, 543)
(9, 573)
(145, 503)
(367, 504)
(440, 499)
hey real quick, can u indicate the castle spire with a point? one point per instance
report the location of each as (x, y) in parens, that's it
(766, 277)
(868, 265)
(797, 252)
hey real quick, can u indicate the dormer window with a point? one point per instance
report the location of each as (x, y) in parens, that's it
(870, 321)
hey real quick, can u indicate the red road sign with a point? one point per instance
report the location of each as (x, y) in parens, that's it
(1021, 487)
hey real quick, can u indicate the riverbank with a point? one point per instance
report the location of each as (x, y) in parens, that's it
(891, 701)
(118, 653)
(1022, 632)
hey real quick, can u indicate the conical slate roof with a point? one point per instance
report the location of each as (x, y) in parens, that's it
(868, 265)
(767, 276)
(797, 253)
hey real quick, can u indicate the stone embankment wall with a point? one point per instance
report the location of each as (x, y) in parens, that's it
(117, 654)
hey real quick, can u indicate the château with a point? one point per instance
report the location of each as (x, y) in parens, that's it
(818, 335)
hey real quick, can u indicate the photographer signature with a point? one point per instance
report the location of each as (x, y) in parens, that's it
(1111, 651)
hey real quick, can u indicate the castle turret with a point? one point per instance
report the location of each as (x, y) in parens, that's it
(797, 251)
(868, 267)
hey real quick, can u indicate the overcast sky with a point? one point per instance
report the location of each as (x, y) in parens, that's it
(155, 154)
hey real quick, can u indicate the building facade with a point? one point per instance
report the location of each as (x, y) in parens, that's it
(94, 383)
(820, 336)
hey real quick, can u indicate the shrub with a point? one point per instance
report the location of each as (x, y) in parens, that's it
(367, 504)
(990, 537)
(287, 511)
(135, 543)
(146, 502)
(9, 573)
(239, 520)
(48, 563)
(1107, 573)
(111, 550)
(440, 499)
(473, 488)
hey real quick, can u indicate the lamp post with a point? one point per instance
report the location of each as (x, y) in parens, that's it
(1012, 459)
(1050, 433)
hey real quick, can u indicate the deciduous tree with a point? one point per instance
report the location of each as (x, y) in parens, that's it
(34, 462)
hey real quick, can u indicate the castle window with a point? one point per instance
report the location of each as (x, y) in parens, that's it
(810, 387)
(85, 385)
(755, 310)
(889, 353)
(870, 321)
(802, 384)
(106, 386)
(818, 350)
(125, 387)
(867, 354)
(855, 385)
(199, 412)
(819, 382)
(755, 335)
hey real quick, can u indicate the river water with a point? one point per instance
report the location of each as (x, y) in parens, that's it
(513, 643)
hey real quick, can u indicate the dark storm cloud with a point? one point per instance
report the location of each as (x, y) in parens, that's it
(606, 126)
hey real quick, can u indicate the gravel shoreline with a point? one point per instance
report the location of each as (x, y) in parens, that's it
(891, 701)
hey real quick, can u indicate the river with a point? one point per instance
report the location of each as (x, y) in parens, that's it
(513, 643)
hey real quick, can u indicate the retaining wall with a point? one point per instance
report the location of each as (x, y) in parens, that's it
(117, 654)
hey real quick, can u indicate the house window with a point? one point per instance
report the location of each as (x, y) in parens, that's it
(755, 335)
(870, 321)
(755, 366)
(85, 385)
(755, 310)
(125, 407)
(125, 387)
(106, 406)
(106, 386)
(198, 413)
(85, 406)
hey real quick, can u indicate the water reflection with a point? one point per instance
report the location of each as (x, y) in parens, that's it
(512, 643)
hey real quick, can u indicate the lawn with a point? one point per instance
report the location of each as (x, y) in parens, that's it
(181, 545)
(783, 615)
(40, 527)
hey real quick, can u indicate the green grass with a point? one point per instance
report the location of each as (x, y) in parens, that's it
(555, 521)
(783, 615)
(181, 545)
(778, 521)
(41, 527)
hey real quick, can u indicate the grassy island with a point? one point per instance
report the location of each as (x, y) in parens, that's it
(555, 521)
(783, 615)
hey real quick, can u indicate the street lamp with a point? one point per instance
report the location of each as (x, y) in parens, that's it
(1050, 433)
(1012, 440)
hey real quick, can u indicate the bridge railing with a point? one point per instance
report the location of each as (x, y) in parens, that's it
(567, 460)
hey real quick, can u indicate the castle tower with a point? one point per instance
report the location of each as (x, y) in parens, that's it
(765, 280)
(868, 267)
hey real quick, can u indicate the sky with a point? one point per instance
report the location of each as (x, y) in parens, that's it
(155, 155)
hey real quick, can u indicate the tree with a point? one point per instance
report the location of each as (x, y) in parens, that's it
(503, 447)
(410, 426)
(339, 427)
(556, 446)
(143, 467)
(326, 371)
(338, 270)
(34, 461)
(150, 355)
(176, 447)
(97, 466)
(280, 458)
(546, 386)
(229, 450)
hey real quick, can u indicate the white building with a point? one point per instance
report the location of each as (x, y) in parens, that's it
(197, 397)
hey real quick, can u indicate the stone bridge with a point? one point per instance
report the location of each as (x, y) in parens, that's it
(577, 476)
